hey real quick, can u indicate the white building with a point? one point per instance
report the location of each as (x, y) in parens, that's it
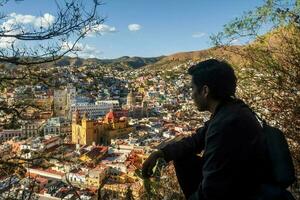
(6, 135)
(41, 144)
(115, 103)
(57, 125)
(96, 110)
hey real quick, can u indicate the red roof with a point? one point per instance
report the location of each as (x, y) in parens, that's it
(98, 150)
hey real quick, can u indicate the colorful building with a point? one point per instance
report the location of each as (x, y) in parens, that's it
(87, 132)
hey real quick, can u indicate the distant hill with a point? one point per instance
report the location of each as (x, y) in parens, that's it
(161, 62)
(125, 61)
(229, 53)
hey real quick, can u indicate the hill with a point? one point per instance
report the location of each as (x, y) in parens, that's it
(125, 62)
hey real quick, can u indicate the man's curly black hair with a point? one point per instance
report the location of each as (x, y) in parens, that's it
(217, 75)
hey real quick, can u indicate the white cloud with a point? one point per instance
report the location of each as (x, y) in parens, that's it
(102, 29)
(44, 21)
(134, 27)
(16, 23)
(198, 35)
(82, 50)
(14, 20)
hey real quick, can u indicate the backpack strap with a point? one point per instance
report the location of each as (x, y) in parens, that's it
(261, 121)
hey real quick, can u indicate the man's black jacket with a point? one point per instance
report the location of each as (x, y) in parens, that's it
(233, 153)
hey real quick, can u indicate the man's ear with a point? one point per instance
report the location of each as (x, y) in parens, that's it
(205, 91)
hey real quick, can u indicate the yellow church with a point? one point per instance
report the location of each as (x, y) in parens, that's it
(87, 132)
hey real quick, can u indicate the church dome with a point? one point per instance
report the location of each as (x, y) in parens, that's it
(110, 116)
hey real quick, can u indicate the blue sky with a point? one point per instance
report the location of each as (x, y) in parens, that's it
(158, 27)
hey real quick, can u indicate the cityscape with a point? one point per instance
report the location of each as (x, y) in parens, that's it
(97, 139)
(90, 90)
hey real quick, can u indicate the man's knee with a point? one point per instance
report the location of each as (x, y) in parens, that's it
(189, 174)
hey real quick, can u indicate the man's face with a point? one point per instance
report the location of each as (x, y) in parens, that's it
(199, 96)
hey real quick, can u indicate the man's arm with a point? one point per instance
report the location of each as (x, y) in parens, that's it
(187, 146)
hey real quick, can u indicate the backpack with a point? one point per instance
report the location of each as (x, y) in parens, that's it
(282, 172)
(280, 168)
(280, 162)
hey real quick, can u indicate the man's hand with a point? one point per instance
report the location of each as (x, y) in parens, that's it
(149, 164)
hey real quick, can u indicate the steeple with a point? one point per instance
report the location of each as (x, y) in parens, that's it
(130, 99)
(85, 116)
(75, 117)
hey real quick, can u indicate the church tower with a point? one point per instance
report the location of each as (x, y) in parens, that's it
(145, 103)
(75, 117)
(88, 135)
(130, 100)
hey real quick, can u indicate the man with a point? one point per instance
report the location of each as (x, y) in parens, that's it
(232, 164)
